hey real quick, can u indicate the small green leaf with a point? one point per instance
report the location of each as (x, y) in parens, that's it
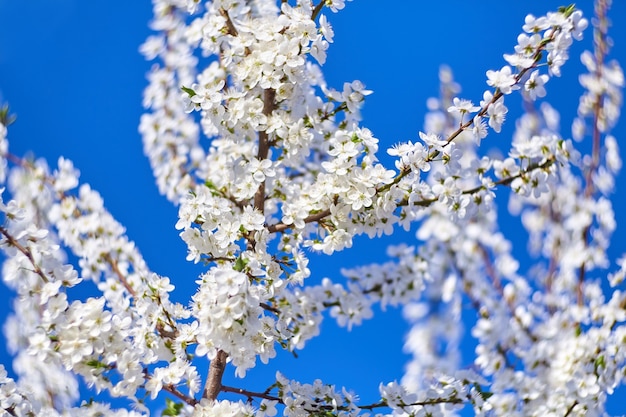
(96, 364)
(485, 395)
(240, 264)
(567, 10)
(600, 362)
(172, 408)
(5, 118)
(188, 91)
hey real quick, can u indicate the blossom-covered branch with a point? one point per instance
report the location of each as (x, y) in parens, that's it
(268, 163)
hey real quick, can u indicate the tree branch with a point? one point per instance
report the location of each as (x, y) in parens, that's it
(325, 407)
(264, 147)
(280, 227)
(172, 390)
(229, 23)
(214, 380)
(600, 50)
(251, 394)
(26, 252)
(108, 258)
(318, 9)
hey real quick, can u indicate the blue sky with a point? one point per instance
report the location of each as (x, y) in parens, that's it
(72, 73)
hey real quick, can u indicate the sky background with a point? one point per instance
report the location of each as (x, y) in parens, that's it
(72, 73)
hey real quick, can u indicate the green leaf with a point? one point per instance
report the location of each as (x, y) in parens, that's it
(5, 118)
(567, 10)
(96, 364)
(172, 408)
(188, 91)
(240, 264)
(485, 395)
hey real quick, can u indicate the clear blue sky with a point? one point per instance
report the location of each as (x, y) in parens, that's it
(72, 73)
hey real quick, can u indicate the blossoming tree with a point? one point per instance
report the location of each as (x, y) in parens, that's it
(267, 163)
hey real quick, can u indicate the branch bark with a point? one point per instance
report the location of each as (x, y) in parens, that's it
(214, 380)
(264, 147)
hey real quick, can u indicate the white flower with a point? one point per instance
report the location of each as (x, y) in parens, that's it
(326, 29)
(534, 25)
(497, 114)
(479, 129)
(462, 107)
(503, 80)
(66, 177)
(535, 85)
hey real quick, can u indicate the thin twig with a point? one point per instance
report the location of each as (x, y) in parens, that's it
(317, 9)
(251, 394)
(172, 390)
(600, 50)
(232, 30)
(113, 263)
(26, 252)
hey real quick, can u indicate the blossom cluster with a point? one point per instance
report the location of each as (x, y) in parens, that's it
(284, 168)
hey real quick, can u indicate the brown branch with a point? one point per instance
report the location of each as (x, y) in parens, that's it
(251, 394)
(11, 410)
(229, 23)
(571, 409)
(160, 327)
(405, 171)
(214, 380)
(433, 401)
(268, 307)
(172, 390)
(108, 258)
(600, 50)
(281, 227)
(496, 283)
(380, 404)
(491, 272)
(26, 252)
(264, 147)
(318, 9)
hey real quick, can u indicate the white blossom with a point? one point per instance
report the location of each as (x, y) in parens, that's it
(285, 168)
